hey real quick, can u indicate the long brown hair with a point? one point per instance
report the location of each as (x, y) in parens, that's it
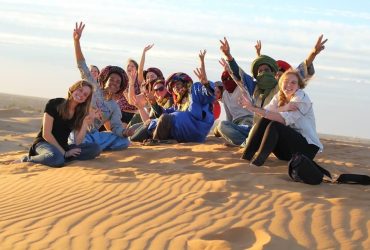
(301, 84)
(82, 109)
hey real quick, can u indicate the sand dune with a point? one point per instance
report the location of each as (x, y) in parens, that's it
(185, 196)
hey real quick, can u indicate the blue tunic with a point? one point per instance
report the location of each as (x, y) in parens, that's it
(194, 124)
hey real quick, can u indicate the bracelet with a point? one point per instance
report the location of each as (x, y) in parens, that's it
(266, 113)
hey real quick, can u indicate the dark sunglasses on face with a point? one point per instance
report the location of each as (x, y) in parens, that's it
(159, 89)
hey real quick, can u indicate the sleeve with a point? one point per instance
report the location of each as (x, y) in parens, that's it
(85, 72)
(273, 104)
(304, 106)
(157, 110)
(238, 74)
(169, 110)
(305, 72)
(51, 108)
(115, 120)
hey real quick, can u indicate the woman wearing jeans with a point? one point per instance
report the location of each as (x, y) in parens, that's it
(61, 117)
(288, 124)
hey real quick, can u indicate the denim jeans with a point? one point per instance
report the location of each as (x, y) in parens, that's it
(235, 134)
(50, 155)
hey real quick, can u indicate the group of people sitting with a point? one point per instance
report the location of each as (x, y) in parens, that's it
(266, 113)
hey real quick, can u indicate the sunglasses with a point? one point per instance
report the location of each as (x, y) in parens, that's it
(159, 89)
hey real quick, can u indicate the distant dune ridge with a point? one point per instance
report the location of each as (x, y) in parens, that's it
(182, 196)
(8, 101)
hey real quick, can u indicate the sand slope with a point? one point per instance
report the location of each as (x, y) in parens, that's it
(185, 196)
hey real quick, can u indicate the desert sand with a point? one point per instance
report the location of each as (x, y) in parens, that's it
(183, 196)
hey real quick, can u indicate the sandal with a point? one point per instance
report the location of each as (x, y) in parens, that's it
(150, 142)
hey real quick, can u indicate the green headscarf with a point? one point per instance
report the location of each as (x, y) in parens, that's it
(265, 83)
(265, 80)
(263, 59)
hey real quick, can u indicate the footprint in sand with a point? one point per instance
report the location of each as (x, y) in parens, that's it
(233, 238)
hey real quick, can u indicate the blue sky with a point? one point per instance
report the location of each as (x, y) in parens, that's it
(37, 55)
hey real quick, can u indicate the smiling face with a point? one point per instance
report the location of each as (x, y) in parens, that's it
(179, 88)
(160, 91)
(130, 66)
(289, 85)
(113, 83)
(94, 72)
(81, 94)
(218, 93)
(150, 76)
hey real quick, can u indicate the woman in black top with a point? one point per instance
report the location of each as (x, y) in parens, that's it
(61, 117)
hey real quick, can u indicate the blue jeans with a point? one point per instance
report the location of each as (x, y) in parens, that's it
(50, 155)
(235, 134)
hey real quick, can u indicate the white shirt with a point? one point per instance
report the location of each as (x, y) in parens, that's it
(301, 120)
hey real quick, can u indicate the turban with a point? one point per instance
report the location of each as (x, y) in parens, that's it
(228, 82)
(178, 77)
(107, 71)
(283, 65)
(156, 71)
(263, 59)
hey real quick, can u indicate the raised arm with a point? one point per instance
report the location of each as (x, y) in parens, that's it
(202, 54)
(258, 47)
(319, 46)
(131, 98)
(77, 33)
(81, 63)
(225, 65)
(243, 80)
(142, 62)
(225, 49)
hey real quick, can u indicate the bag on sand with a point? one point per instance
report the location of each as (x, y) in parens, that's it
(303, 169)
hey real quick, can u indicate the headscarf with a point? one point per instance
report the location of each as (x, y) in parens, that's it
(107, 71)
(283, 65)
(186, 80)
(179, 76)
(228, 82)
(156, 71)
(263, 59)
(265, 80)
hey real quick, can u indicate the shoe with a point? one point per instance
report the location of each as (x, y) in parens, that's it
(23, 159)
(151, 142)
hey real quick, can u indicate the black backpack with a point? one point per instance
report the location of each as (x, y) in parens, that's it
(303, 169)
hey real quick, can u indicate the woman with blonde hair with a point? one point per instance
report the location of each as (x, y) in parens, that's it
(61, 117)
(287, 125)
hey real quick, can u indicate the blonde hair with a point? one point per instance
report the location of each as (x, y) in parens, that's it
(301, 84)
(82, 109)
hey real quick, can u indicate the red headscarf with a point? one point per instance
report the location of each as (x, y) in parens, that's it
(283, 65)
(228, 82)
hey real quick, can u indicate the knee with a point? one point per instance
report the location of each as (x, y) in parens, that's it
(55, 160)
(95, 150)
(223, 126)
